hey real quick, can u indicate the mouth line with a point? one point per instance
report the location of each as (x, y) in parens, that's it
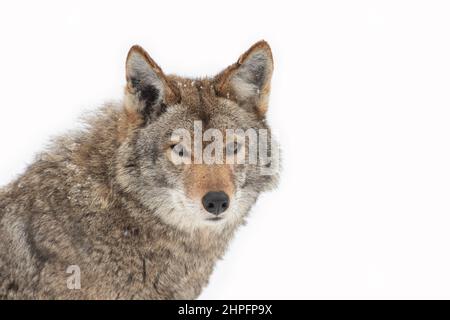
(214, 219)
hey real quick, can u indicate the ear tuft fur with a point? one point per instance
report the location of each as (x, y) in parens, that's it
(248, 80)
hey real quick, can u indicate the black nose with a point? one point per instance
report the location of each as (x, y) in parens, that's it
(216, 202)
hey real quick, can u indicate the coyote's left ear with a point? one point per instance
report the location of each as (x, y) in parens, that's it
(248, 80)
(148, 89)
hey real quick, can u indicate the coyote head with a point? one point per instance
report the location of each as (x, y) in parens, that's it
(198, 152)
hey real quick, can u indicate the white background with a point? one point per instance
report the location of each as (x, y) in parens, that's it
(360, 102)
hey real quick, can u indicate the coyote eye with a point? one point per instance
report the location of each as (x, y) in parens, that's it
(178, 151)
(233, 148)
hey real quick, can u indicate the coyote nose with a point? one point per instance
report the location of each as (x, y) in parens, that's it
(216, 202)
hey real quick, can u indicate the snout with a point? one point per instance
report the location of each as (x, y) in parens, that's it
(216, 202)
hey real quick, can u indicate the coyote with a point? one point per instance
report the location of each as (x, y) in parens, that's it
(107, 213)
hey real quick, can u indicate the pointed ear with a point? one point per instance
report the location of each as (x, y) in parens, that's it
(248, 80)
(148, 89)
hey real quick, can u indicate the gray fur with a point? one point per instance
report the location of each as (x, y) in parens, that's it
(108, 200)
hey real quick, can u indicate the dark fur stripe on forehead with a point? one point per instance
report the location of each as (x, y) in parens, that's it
(208, 101)
(195, 96)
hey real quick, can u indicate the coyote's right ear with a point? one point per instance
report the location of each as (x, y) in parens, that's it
(148, 89)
